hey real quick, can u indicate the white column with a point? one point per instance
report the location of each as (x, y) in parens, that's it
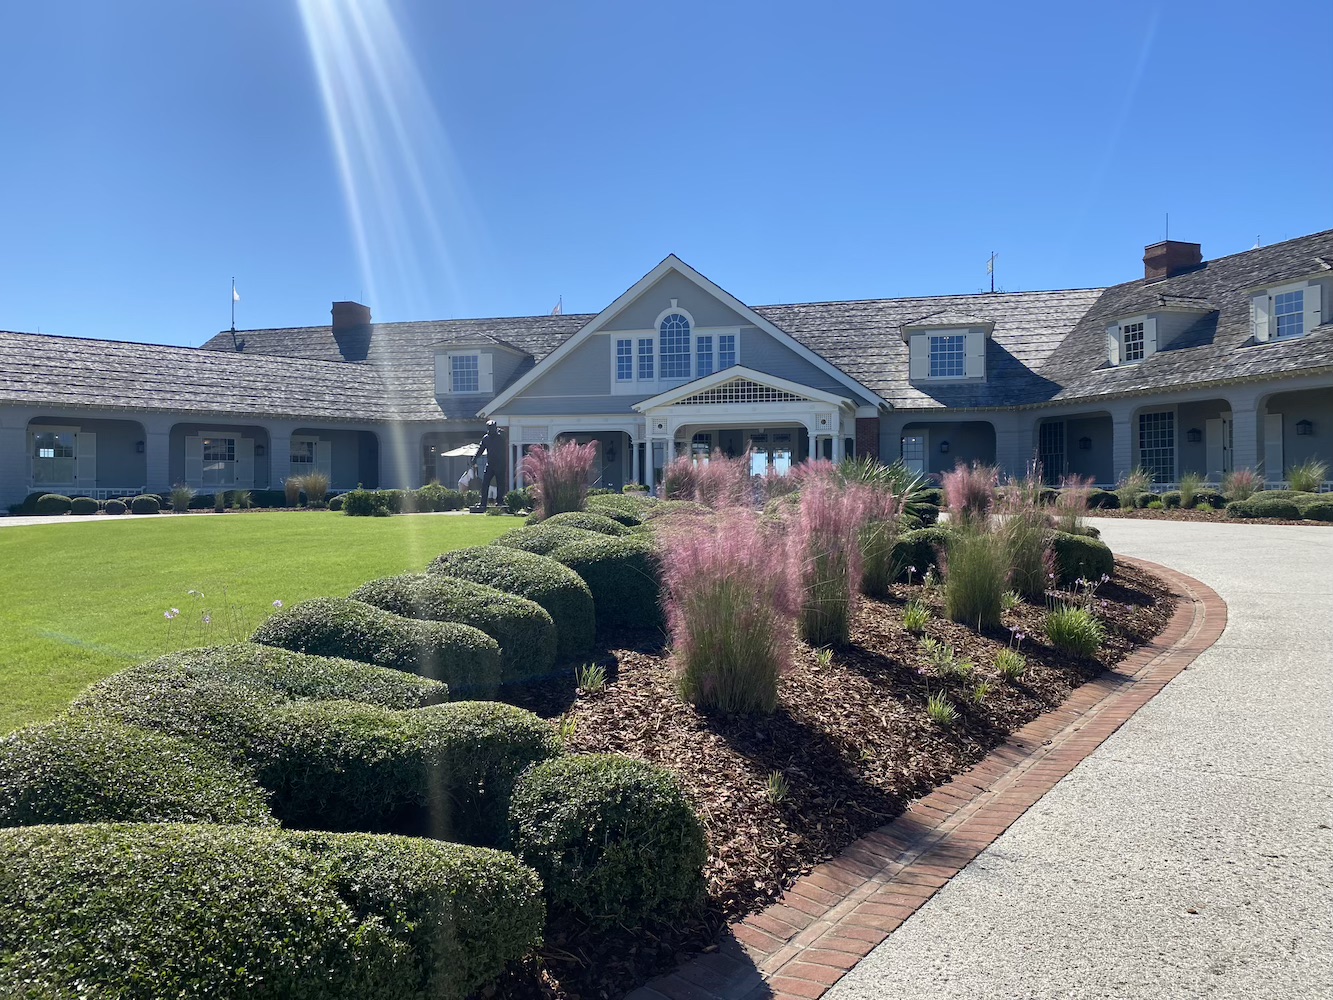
(634, 458)
(1122, 444)
(648, 479)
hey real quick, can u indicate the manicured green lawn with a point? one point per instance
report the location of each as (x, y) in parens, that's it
(82, 601)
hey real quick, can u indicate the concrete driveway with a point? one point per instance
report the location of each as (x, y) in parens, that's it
(1191, 855)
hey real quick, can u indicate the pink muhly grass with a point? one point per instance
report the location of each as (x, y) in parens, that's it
(559, 476)
(680, 479)
(824, 545)
(723, 482)
(969, 492)
(814, 471)
(883, 511)
(1071, 504)
(1026, 533)
(729, 608)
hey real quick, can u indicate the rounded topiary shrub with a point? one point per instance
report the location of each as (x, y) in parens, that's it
(1142, 500)
(1170, 499)
(614, 839)
(588, 520)
(917, 551)
(51, 504)
(235, 912)
(446, 772)
(83, 506)
(1206, 497)
(226, 696)
(621, 509)
(556, 588)
(1103, 500)
(540, 538)
(80, 770)
(523, 629)
(1080, 556)
(1318, 510)
(466, 659)
(674, 508)
(145, 505)
(1276, 507)
(115, 507)
(624, 577)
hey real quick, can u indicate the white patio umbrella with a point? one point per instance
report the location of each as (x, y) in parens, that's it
(462, 451)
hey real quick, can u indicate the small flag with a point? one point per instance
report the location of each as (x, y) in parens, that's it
(990, 265)
(559, 309)
(235, 295)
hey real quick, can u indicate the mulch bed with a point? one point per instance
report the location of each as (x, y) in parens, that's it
(850, 737)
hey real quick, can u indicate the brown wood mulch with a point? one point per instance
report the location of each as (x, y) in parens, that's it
(1195, 514)
(850, 738)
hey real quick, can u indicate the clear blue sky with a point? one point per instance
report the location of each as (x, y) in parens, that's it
(500, 155)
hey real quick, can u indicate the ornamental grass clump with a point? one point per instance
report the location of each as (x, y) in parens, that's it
(1075, 630)
(729, 609)
(1026, 530)
(879, 536)
(1241, 484)
(291, 490)
(559, 476)
(723, 482)
(680, 479)
(824, 547)
(1189, 485)
(1307, 477)
(316, 487)
(976, 577)
(1072, 502)
(969, 493)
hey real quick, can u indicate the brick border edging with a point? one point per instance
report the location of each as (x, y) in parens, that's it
(833, 917)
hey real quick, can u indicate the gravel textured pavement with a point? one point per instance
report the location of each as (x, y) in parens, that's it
(1191, 855)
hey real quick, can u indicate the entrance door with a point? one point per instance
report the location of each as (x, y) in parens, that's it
(1218, 446)
(1051, 451)
(914, 453)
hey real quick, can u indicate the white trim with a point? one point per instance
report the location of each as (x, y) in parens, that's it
(672, 310)
(674, 263)
(739, 371)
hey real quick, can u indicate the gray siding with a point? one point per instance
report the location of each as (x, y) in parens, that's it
(761, 352)
(1314, 405)
(642, 313)
(574, 405)
(179, 432)
(1192, 416)
(586, 371)
(1098, 461)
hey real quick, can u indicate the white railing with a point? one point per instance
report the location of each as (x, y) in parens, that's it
(103, 493)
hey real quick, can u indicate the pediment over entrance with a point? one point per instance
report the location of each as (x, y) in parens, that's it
(740, 385)
(741, 390)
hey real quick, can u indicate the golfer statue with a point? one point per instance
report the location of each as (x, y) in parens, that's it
(490, 460)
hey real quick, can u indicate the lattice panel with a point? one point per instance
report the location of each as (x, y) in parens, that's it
(740, 390)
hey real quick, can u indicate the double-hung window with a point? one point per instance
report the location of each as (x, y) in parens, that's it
(948, 355)
(1157, 445)
(1289, 314)
(303, 455)
(219, 461)
(464, 373)
(624, 361)
(674, 346)
(53, 456)
(726, 351)
(704, 355)
(645, 359)
(1131, 342)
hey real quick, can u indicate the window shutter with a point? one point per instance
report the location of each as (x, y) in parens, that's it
(324, 457)
(1313, 307)
(85, 452)
(976, 354)
(1260, 307)
(1274, 468)
(194, 460)
(1113, 343)
(1212, 434)
(485, 368)
(441, 374)
(245, 462)
(1149, 337)
(919, 357)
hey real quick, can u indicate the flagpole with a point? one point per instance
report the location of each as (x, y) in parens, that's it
(233, 304)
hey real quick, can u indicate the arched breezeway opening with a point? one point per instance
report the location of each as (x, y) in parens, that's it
(932, 447)
(1076, 444)
(1295, 429)
(77, 456)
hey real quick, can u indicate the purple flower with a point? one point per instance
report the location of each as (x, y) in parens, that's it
(170, 614)
(277, 604)
(208, 619)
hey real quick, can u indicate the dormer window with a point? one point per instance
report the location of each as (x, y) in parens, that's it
(1131, 341)
(463, 373)
(1286, 312)
(944, 354)
(948, 355)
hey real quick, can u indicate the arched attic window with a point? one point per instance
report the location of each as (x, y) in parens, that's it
(673, 345)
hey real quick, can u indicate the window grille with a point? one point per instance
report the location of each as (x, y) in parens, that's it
(1289, 314)
(624, 361)
(1157, 445)
(1131, 335)
(948, 357)
(726, 350)
(740, 390)
(675, 346)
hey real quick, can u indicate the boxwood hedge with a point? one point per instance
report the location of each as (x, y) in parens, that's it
(145, 504)
(543, 581)
(115, 507)
(672, 508)
(463, 657)
(589, 520)
(622, 509)
(80, 770)
(225, 696)
(141, 912)
(83, 506)
(49, 504)
(614, 839)
(1277, 507)
(1318, 510)
(1080, 556)
(541, 539)
(624, 577)
(523, 629)
(919, 550)
(1099, 499)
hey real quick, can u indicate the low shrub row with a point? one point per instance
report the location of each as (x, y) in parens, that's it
(464, 658)
(541, 538)
(381, 503)
(230, 912)
(1288, 505)
(524, 630)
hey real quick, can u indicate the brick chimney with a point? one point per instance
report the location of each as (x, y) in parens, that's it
(1169, 258)
(349, 316)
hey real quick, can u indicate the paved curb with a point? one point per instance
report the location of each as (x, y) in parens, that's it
(833, 917)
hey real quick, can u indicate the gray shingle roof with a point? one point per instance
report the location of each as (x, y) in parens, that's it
(46, 370)
(1213, 348)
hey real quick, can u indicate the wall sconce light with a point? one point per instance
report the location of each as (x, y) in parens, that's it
(1085, 444)
(1194, 435)
(260, 451)
(1304, 428)
(944, 447)
(138, 447)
